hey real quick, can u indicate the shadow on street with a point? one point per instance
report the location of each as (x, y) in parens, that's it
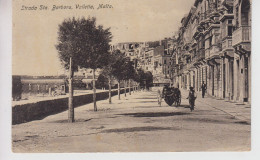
(155, 114)
(138, 129)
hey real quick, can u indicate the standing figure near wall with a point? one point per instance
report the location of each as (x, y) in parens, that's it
(203, 88)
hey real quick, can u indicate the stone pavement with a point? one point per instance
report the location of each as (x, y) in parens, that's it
(237, 110)
(137, 123)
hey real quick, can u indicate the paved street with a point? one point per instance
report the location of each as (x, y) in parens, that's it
(138, 124)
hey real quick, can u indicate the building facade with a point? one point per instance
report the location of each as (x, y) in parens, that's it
(154, 57)
(214, 46)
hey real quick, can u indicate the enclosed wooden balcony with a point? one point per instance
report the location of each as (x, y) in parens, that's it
(241, 35)
(228, 2)
(207, 53)
(212, 52)
(227, 44)
(201, 54)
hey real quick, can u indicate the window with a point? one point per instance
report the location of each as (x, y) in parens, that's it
(230, 30)
(229, 43)
(165, 61)
(237, 23)
(230, 10)
(210, 41)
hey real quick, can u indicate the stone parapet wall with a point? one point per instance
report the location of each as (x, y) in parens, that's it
(38, 110)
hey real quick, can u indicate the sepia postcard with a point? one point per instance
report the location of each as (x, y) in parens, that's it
(94, 76)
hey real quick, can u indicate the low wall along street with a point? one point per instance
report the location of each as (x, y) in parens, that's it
(39, 110)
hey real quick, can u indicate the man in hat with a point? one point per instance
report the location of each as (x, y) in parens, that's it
(192, 97)
(203, 88)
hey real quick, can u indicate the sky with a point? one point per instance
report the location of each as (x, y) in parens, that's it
(35, 31)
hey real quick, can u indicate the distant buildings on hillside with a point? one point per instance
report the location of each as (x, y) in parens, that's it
(154, 57)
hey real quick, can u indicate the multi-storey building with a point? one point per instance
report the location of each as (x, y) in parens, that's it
(214, 46)
(149, 60)
(154, 57)
(133, 50)
(241, 42)
(162, 62)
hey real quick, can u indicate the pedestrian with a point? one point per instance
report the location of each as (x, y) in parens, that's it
(192, 97)
(192, 94)
(203, 88)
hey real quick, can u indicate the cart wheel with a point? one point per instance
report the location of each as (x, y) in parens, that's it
(179, 102)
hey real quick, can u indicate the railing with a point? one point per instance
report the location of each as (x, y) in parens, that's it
(241, 35)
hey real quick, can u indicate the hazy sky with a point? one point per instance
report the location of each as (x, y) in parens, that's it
(35, 31)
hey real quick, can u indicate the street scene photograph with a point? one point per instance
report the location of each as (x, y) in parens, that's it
(131, 76)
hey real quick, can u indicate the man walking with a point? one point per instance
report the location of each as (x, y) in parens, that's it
(203, 88)
(192, 97)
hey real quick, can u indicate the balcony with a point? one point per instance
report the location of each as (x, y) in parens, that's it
(190, 65)
(228, 2)
(227, 15)
(207, 53)
(241, 35)
(194, 31)
(214, 51)
(227, 44)
(202, 17)
(208, 13)
(201, 54)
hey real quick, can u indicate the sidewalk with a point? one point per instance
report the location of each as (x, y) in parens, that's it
(237, 110)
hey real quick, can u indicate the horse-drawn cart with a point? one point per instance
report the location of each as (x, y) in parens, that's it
(170, 95)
